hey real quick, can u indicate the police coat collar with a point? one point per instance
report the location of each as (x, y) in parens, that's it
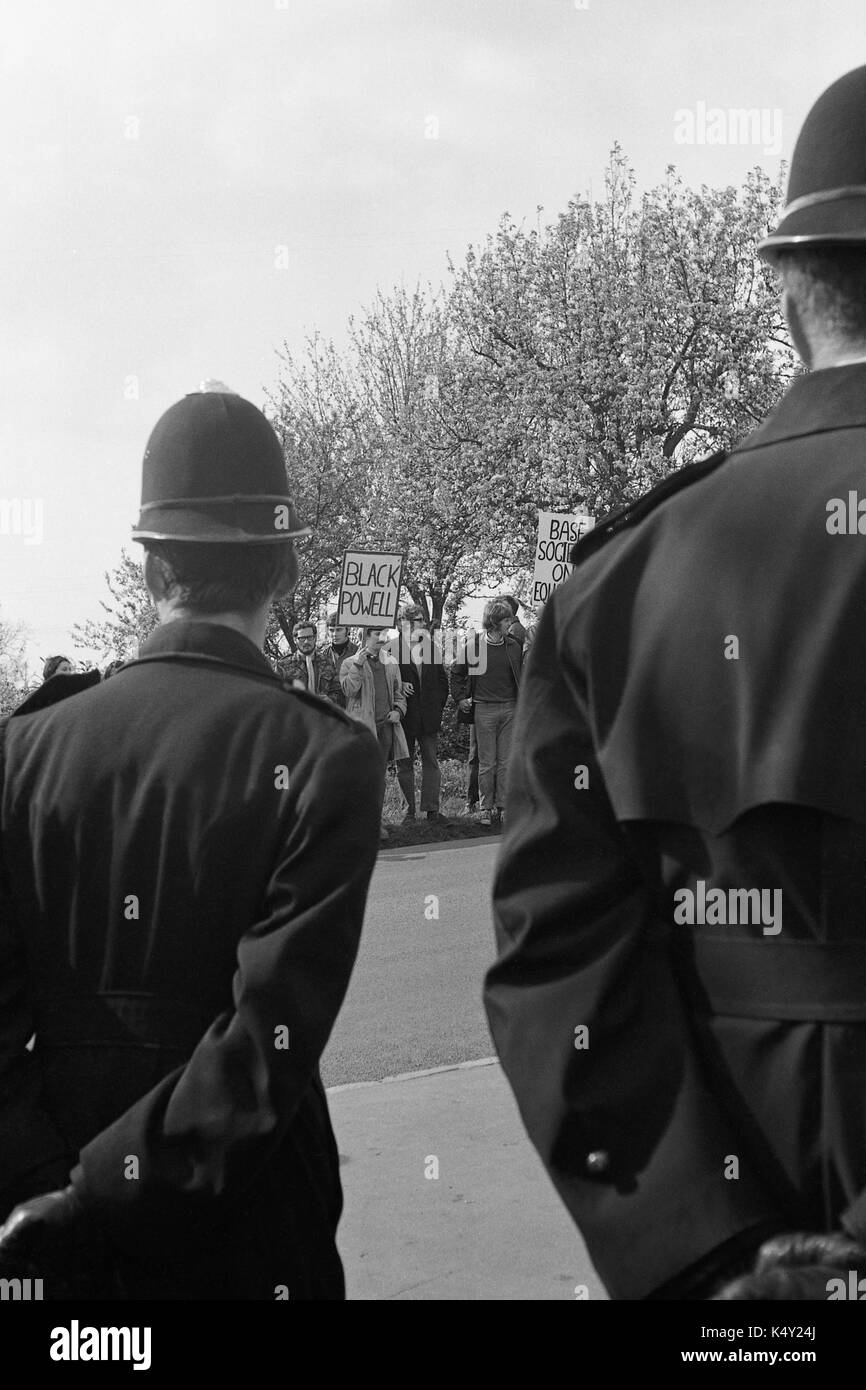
(833, 398)
(191, 638)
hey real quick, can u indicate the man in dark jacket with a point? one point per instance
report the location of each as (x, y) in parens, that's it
(185, 852)
(56, 666)
(56, 688)
(313, 667)
(339, 644)
(425, 686)
(680, 996)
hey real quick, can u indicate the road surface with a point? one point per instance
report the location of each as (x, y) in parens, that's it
(415, 997)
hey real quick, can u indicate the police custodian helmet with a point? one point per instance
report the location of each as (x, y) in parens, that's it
(214, 470)
(827, 185)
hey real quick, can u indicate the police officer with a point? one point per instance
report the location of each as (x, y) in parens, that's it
(679, 1000)
(186, 852)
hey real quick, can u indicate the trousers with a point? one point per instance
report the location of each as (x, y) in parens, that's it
(472, 764)
(494, 721)
(431, 777)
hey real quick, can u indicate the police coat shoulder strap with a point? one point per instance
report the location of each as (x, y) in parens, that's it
(634, 512)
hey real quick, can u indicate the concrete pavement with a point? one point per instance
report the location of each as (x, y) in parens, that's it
(445, 1198)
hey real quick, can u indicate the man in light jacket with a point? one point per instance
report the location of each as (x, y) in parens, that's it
(374, 696)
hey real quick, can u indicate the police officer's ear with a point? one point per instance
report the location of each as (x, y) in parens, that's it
(154, 577)
(798, 333)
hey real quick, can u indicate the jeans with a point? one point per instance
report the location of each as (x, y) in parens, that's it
(431, 776)
(494, 721)
(472, 764)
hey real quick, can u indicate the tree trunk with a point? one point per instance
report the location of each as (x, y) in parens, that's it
(437, 604)
(419, 596)
(285, 624)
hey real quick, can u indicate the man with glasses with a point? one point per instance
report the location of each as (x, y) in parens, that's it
(312, 667)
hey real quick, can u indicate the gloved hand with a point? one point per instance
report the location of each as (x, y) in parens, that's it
(798, 1266)
(51, 1237)
(798, 1248)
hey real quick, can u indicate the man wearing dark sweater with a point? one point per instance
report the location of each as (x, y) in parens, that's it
(487, 679)
(338, 639)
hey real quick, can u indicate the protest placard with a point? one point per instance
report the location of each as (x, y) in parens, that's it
(557, 533)
(370, 588)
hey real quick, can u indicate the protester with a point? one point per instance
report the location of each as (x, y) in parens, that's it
(374, 696)
(56, 666)
(472, 753)
(313, 668)
(338, 639)
(425, 686)
(679, 997)
(516, 630)
(185, 854)
(492, 695)
(55, 688)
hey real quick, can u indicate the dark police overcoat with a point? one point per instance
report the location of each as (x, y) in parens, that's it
(185, 854)
(694, 718)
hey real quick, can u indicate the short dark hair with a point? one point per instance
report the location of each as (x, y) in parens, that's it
(494, 611)
(302, 625)
(215, 577)
(512, 603)
(827, 283)
(51, 666)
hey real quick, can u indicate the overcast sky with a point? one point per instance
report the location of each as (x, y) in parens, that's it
(156, 155)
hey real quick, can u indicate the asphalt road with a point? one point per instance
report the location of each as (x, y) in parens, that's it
(415, 996)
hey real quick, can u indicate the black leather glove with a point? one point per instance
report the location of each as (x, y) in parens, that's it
(52, 1238)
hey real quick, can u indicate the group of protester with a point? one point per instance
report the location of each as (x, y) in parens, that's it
(402, 700)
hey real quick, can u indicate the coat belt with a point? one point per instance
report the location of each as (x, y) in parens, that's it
(118, 1020)
(804, 981)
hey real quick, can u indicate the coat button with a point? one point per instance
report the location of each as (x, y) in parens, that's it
(598, 1161)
